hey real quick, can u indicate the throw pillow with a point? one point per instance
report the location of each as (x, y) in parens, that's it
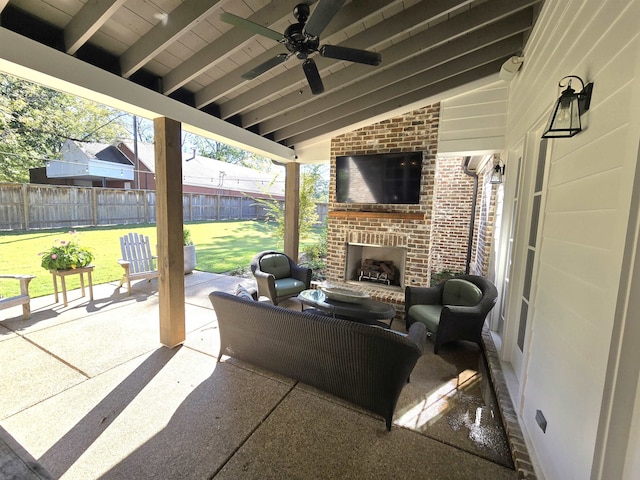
(242, 292)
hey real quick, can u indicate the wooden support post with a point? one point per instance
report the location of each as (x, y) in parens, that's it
(169, 219)
(292, 210)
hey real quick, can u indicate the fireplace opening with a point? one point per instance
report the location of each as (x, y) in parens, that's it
(376, 264)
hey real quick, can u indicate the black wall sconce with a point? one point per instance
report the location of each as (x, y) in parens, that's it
(498, 173)
(565, 118)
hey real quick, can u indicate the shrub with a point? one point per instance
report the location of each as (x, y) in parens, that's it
(186, 237)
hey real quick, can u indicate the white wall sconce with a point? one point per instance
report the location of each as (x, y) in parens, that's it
(498, 173)
(565, 118)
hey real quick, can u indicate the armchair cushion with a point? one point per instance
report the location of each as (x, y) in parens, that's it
(289, 286)
(460, 292)
(427, 314)
(276, 264)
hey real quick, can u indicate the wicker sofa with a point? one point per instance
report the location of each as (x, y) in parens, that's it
(363, 364)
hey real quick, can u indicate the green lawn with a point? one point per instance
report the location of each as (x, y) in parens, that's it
(220, 247)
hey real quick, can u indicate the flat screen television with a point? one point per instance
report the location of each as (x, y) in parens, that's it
(381, 178)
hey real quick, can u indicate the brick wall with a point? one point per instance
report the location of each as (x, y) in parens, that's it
(452, 216)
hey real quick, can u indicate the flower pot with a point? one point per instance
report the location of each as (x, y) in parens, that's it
(189, 258)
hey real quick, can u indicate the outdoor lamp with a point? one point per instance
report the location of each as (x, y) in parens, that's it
(498, 172)
(565, 119)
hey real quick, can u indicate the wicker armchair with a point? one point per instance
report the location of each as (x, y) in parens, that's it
(453, 310)
(278, 277)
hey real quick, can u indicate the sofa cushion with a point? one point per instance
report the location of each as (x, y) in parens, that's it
(288, 286)
(275, 264)
(460, 292)
(427, 314)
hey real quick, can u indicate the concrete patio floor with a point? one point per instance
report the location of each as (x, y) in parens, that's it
(88, 392)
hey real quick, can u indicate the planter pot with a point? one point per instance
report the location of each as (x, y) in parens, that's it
(189, 258)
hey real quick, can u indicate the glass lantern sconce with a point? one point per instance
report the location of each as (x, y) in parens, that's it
(565, 118)
(498, 173)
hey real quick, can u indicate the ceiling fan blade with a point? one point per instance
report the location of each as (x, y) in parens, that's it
(313, 76)
(351, 54)
(263, 67)
(321, 16)
(249, 25)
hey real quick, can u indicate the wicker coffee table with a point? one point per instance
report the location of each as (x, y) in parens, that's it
(365, 311)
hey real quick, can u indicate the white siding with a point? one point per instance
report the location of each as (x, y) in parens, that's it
(474, 123)
(584, 223)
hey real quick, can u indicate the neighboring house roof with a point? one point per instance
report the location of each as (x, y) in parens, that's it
(211, 173)
(103, 151)
(90, 162)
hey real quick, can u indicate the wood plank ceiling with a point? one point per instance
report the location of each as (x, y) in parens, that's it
(184, 50)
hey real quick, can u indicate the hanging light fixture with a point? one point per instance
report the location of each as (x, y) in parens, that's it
(498, 172)
(565, 118)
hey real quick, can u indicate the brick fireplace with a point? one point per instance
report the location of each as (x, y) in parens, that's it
(420, 239)
(370, 230)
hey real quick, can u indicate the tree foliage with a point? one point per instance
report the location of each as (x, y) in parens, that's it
(35, 121)
(310, 194)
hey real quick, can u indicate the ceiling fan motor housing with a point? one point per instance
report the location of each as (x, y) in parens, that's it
(303, 39)
(299, 43)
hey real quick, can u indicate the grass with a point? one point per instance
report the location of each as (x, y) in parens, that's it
(220, 247)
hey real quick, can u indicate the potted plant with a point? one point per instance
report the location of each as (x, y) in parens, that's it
(66, 255)
(189, 251)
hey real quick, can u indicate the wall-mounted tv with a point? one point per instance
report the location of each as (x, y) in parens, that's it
(381, 178)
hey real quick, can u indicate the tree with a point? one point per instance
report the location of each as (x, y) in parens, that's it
(318, 175)
(310, 177)
(35, 121)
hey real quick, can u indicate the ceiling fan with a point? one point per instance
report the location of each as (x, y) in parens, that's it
(303, 39)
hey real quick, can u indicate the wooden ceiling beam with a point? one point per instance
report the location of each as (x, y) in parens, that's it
(220, 48)
(87, 22)
(164, 33)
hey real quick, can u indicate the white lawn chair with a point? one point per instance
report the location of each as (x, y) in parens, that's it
(137, 261)
(23, 299)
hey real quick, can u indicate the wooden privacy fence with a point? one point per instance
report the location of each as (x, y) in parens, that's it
(33, 207)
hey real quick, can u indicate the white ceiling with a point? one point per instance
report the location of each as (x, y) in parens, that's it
(184, 51)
